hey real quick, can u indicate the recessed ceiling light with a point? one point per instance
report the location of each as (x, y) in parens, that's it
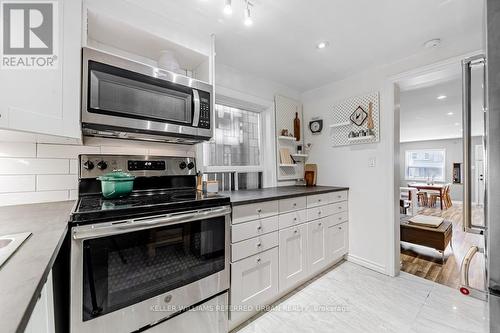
(442, 97)
(322, 45)
(430, 44)
(450, 113)
(228, 9)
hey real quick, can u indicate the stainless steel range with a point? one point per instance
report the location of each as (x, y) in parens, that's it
(138, 261)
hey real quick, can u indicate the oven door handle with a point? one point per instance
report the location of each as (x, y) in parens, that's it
(113, 228)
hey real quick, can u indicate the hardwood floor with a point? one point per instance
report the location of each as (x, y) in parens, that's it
(426, 262)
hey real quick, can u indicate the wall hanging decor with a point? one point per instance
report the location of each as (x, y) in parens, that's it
(316, 126)
(352, 124)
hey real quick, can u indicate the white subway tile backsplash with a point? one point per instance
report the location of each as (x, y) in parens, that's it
(73, 194)
(73, 167)
(19, 149)
(8, 199)
(56, 182)
(65, 151)
(124, 150)
(23, 183)
(33, 166)
(43, 172)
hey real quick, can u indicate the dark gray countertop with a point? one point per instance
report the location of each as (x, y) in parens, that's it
(24, 274)
(242, 197)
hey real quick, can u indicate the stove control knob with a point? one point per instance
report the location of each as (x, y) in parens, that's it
(182, 165)
(89, 165)
(190, 165)
(102, 165)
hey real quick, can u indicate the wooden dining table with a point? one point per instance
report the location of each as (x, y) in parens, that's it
(430, 187)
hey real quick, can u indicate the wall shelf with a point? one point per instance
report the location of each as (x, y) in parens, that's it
(299, 155)
(289, 138)
(288, 165)
(346, 123)
(361, 138)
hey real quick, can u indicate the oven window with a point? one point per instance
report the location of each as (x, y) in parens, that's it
(125, 269)
(127, 94)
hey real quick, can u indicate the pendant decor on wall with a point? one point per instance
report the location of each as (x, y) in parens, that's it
(356, 121)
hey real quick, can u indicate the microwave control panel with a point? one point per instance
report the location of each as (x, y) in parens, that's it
(204, 110)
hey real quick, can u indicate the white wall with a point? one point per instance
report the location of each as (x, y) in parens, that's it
(371, 197)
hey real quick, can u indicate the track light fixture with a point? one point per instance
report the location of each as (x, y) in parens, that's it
(247, 5)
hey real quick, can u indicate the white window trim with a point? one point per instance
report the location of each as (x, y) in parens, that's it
(419, 150)
(242, 101)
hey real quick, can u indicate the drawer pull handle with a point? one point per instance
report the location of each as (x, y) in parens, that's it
(294, 219)
(295, 231)
(259, 244)
(340, 228)
(319, 200)
(258, 260)
(319, 212)
(340, 218)
(259, 228)
(319, 224)
(294, 204)
(340, 207)
(259, 210)
(339, 196)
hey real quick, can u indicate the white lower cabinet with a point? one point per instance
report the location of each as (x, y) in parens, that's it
(272, 255)
(42, 317)
(293, 255)
(337, 239)
(254, 282)
(316, 245)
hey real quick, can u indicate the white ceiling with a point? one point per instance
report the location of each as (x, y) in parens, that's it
(281, 44)
(424, 117)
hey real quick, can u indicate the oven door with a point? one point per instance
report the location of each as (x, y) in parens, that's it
(125, 96)
(127, 275)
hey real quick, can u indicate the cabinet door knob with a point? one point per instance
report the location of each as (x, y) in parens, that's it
(258, 260)
(259, 228)
(340, 228)
(296, 231)
(319, 212)
(259, 244)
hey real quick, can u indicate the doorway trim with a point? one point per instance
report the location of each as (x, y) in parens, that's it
(394, 83)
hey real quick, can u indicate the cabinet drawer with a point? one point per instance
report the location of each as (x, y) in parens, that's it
(292, 204)
(293, 218)
(254, 211)
(246, 230)
(339, 207)
(338, 218)
(254, 281)
(252, 246)
(318, 200)
(338, 196)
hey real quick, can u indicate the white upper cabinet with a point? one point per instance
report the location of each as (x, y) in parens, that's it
(47, 100)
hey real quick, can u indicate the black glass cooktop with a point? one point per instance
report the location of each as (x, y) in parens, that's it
(93, 207)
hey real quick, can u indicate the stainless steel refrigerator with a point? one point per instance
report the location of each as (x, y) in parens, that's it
(482, 181)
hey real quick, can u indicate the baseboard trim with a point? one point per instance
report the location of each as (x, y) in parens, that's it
(367, 263)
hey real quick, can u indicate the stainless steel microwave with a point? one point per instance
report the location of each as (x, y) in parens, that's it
(125, 99)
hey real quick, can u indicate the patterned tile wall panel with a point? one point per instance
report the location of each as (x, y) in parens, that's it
(341, 113)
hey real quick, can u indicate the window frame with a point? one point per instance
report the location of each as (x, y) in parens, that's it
(244, 106)
(424, 150)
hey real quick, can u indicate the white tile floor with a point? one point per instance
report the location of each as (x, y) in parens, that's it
(350, 298)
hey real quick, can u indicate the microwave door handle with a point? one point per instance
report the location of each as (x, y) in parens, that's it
(197, 106)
